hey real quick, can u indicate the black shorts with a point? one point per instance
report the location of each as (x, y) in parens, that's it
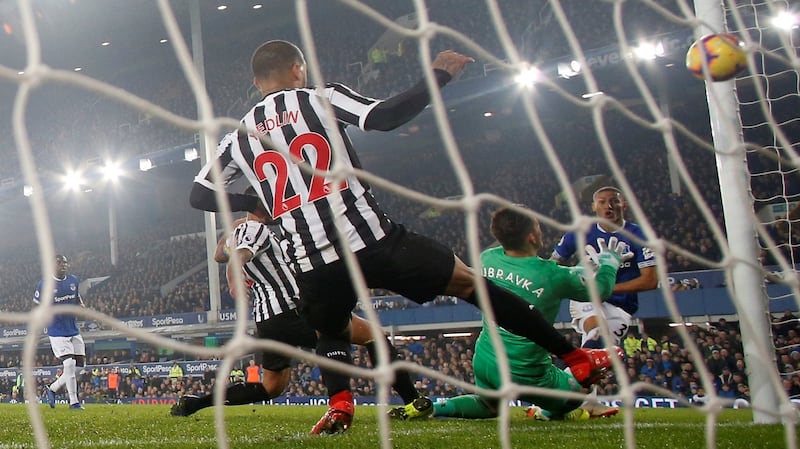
(289, 328)
(414, 266)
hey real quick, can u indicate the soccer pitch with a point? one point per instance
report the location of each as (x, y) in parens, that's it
(150, 426)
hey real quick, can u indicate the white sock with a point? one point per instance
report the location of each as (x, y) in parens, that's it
(55, 386)
(69, 379)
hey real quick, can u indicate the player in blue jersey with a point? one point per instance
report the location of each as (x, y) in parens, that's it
(636, 275)
(65, 338)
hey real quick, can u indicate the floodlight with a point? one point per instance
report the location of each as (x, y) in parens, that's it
(190, 154)
(145, 164)
(648, 51)
(73, 180)
(111, 171)
(567, 71)
(27, 190)
(786, 20)
(528, 76)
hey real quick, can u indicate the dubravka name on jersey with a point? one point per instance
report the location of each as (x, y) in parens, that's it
(519, 281)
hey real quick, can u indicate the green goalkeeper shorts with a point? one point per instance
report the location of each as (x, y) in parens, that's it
(487, 376)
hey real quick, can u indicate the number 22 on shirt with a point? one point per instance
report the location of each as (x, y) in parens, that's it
(317, 188)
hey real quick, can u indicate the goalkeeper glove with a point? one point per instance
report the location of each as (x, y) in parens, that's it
(613, 253)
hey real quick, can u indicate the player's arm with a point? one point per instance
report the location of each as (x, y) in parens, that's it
(610, 256)
(564, 250)
(647, 280)
(202, 195)
(573, 283)
(399, 109)
(245, 255)
(221, 252)
(648, 277)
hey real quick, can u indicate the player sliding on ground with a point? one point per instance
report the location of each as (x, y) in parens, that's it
(295, 125)
(545, 284)
(274, 294)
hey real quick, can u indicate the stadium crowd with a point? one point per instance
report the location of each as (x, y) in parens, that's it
(161, 259)
(653, 360)
(151, 257)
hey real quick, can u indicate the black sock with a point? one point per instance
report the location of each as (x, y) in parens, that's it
(242, 393)
(239, 393)
(519, 317)
(403, 384)
(334, 348)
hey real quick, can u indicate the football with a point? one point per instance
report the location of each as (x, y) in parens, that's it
(724, 54)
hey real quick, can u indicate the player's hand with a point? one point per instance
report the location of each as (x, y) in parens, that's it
(612, 253)
(451, 62)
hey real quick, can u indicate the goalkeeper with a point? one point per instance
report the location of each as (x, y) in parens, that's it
(543, 283)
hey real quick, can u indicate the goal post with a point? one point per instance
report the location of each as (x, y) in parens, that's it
(745, 278)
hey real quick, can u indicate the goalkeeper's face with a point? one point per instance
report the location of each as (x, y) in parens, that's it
(610, 205)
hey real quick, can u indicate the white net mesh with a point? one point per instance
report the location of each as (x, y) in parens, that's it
(611, 103)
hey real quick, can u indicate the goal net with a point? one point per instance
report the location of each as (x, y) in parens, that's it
(564, 97)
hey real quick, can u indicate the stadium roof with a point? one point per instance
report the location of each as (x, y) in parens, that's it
(72, 32)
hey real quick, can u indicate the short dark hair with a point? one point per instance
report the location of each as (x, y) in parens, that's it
(607, 189)
(511, 228)
(275, 55)
(61, 257)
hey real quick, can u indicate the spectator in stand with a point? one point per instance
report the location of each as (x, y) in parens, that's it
(727, 392)
(253, 373)
(632, 344)
(726, 378)
(648, 343)
(175, 373)
(699, 398)
(649, 369)
(113, 384)
(665, 362)
(716, 363)
(236, 375)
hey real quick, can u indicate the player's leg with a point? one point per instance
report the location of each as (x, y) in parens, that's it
(420, 269)
(340, 414)
(473, 406)
(327, 299)
(64, 350)
(548, 408)
(416, 406)
(79, 352)
(618, 322)
(287, 328)
(585, 323)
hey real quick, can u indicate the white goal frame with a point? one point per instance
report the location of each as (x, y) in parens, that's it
(743, 274)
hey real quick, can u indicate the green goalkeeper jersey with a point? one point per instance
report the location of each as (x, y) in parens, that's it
(544, 284)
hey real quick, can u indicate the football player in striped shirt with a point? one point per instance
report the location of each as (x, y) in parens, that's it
(63, 332)
(294, 129)
(274, 293)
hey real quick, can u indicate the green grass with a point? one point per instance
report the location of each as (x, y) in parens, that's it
(273, 427)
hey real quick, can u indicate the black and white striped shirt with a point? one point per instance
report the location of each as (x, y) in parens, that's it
(292, 120)
(273, 285)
